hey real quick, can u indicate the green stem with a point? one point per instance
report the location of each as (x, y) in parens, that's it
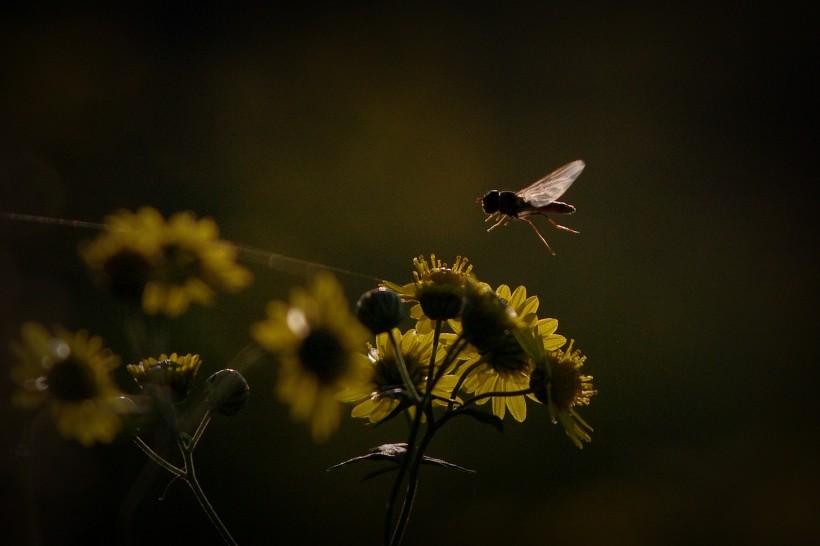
(394, 491)
(431, 368)
(412, 486)
(188, 472)
(200, 429)
(461, 379)
(500, 394)
(405, 375)
(154, 456)
(191, 479)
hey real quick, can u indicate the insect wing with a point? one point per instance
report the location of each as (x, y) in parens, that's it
(552, 186)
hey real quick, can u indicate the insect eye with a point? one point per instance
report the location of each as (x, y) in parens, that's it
(490, 202)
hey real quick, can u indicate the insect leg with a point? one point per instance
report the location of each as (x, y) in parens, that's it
(559, 226)
(502, 222)
(539, 235)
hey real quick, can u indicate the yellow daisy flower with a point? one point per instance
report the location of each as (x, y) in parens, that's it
(126, 253)
(169, 377)
(71, 373)
(498, 364)
(493, 323)
(438, 288)
(557, 382)
(525, 307)
(317, 341)
(382, 392)
(165, 265)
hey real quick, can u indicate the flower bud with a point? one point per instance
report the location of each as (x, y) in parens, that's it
(380, 310)
(226, 391)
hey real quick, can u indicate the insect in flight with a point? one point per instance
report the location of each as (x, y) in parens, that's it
(537, 198)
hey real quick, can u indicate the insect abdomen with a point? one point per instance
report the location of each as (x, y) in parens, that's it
(557, 207)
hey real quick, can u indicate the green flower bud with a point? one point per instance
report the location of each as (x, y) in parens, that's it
(226, 391)
(380, 310)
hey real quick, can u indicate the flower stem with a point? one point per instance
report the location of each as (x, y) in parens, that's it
(432, 366)
(415, 458)
(405, 375)
(193, 483)
(403, 467)
(154, 456)
(188, 472)
(462, 378)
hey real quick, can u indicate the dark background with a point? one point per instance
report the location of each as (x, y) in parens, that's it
(359, 137)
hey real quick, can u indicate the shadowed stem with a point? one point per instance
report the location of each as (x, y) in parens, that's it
(415, 453)
(414, 458)
(187, 473)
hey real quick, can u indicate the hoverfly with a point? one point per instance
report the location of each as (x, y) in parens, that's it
(537, 198)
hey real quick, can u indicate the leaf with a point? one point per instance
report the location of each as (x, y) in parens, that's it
(395, 453)
(384, 452)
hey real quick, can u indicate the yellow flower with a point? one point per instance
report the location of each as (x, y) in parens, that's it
(70, 373)
(557, 382)
(165, 265)
(382, 387)
(497, 325)
(524, 307)
(504, 371)
(317, 341)
(126, 253)
(438, 288)
(169, 377)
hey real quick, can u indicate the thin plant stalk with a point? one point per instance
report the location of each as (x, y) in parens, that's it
(188, 472)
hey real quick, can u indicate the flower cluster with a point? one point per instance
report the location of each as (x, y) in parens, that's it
(164, 264)
(469, 345)
(464, 348)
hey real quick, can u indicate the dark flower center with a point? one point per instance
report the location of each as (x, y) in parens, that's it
(71, 380)
(180, 264)
(507, 356)
(487, 321)
(539, 383)
(127, 273)
(565, 385)
(441, 304)
(388, 376)
(322, 353)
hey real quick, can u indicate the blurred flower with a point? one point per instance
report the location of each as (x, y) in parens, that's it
(169, 377)
(71, 373)
(557, 382)
(317, 341)
(383, 387)
(438, 288)
(127, 252)
(165, 265)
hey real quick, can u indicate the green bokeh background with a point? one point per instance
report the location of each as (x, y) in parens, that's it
(359, 137)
